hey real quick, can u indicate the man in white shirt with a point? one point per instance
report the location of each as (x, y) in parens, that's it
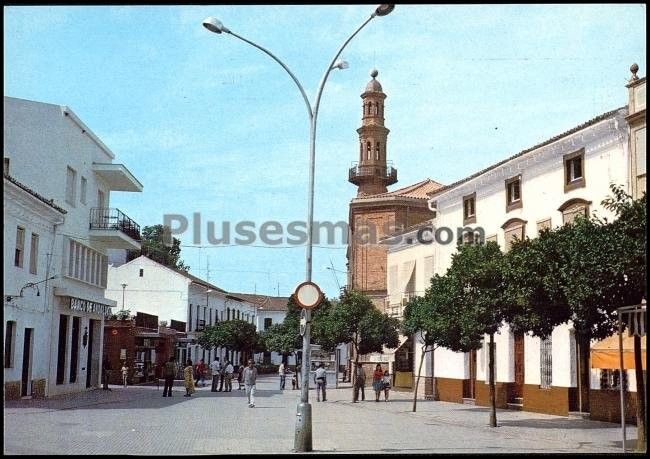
(320, 378)
(283, 375)
(250, 378)
(228, 373)
(215, 367)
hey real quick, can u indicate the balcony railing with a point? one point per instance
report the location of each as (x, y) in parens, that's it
(387, 173)
(105, 218)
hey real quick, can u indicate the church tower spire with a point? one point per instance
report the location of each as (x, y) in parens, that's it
(372, 173)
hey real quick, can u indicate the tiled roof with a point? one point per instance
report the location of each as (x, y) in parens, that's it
(269, 303)
(418, 190)
(591, 122)
(49, 202)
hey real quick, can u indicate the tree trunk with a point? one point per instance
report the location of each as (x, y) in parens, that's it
(640, 396)
(417, 381)
(493, 400)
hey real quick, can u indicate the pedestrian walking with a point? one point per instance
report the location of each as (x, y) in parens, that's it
(125, 373)
(169, 372)
(359, 383)
(222, 375)
(106, 369)
(240, 376)
(201, 370)
(320, 378)
(228, 375)
(250, 377)
(378, 381)
(283, 375)
(386, 381)
(188, 374)
(215, 367)
(294, 380)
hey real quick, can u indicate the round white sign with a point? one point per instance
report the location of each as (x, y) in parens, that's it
(308, 295)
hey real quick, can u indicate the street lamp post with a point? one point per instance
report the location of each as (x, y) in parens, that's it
(123, 290)
(303, 437)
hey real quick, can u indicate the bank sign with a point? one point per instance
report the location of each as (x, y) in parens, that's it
(77, 304)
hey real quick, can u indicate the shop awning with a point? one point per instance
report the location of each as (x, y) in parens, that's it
(605, 353)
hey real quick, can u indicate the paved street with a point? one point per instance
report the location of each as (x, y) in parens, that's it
(138, 420)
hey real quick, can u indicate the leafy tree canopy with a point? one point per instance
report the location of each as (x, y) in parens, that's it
(153, 246)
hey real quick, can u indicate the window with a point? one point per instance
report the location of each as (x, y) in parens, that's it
(469, 209)
(20, 247)
(368, 150)
(71, 186)
(33, 254)
(513, 229)
(141, 272)
(227, 313)
(546, 363)
(513, 193)
(574, 208)
(543, 224)
(198, 311)
(84, 189)
(377, 151)
(86, 264)
(611, 380)
(10, 343)
(238, 314)
(189, 322)
(267, 323)
(574, 173)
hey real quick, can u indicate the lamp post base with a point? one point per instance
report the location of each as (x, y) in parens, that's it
(302, 441)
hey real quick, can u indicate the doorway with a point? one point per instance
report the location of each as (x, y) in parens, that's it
(469, 389)
(27, 363)
(89, 359)
(518, 386)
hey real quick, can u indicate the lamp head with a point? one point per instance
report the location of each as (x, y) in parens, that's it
(383, 10)
(214, 25)
(341, 64)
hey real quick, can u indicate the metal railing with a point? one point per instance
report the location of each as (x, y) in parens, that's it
(107, 218)
(388, 173)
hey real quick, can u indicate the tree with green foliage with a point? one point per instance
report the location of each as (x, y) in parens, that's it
(418, 321)
(583, 272)
(355, 319)
(233, 335)
(470, 303)
(155, 245)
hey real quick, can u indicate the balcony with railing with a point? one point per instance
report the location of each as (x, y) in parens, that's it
(112, 228)
(360, 173)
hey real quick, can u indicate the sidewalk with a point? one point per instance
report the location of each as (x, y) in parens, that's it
(138, 420)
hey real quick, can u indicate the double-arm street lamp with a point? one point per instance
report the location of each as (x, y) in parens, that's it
(303, 437)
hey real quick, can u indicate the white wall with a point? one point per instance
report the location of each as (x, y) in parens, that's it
(160, 291)
(542, 193)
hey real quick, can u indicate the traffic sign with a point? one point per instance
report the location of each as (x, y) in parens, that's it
(308, 295)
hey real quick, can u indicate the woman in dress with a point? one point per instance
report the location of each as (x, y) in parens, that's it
(378, 381)
(188, 374)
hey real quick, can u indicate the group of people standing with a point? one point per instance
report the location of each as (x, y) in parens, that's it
(380, 382)
(193, 376)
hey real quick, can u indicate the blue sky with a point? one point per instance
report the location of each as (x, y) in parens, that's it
(210, 124)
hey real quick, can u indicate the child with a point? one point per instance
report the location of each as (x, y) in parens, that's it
(386, 381)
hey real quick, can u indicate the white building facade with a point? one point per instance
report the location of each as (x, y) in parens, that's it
(544, 186)
(144, 285)
(52, 152)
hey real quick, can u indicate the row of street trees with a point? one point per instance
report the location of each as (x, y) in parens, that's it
(581, 273)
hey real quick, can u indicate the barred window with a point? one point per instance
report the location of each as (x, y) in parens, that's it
(546, 363)
(611, 380)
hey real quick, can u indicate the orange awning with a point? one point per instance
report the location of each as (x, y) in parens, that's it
(605, 353)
